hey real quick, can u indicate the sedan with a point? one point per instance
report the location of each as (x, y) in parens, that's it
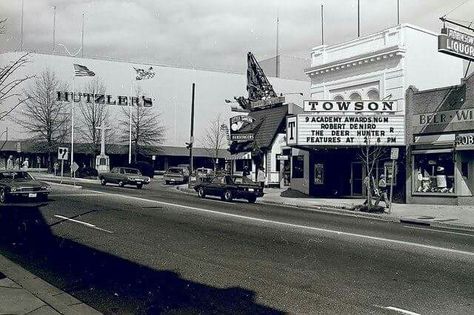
(17, 184)
(230, 187)
(124, 176)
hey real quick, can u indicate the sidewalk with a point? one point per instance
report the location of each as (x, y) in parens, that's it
(433, 215)
(21, 292)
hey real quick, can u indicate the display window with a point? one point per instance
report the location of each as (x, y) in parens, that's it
(433, 173)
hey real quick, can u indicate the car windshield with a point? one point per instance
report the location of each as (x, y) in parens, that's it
(175, 170)
(131, 171)
(242, 180)
(15, 175)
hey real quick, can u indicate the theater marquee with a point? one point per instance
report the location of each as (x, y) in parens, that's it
(346, 130)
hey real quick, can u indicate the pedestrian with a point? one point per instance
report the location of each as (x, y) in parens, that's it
(383, 192)
(25, 165)
(17, 163)
(246, 171)
(10, 163)
(261, 177)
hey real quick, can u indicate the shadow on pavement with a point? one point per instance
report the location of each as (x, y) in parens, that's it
(290, 193)
(109, 283)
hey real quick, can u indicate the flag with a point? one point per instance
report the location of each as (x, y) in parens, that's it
(143, 74)
(82, 71)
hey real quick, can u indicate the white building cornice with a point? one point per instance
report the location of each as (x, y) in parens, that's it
(356, 61)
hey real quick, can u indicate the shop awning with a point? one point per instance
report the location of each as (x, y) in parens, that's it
(430, 151)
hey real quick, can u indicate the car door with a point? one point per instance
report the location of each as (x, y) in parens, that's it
(215, 186)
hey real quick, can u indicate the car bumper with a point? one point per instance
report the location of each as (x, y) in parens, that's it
(136, 182)
(248, 194)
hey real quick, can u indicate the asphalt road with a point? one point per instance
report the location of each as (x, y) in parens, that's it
(156, 250)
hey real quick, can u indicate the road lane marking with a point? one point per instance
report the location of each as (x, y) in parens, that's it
(400, 310)
(232, 215)
(92, 226)
(439, 231)
(72, 195)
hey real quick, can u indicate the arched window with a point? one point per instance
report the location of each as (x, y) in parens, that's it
(355, 97)
(338, 98)
(373, 95)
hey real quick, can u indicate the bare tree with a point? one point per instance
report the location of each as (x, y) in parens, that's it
(215, 139)
(45, 118)
(93, 115)
(9, 83)
(146, 128)
(370, 155)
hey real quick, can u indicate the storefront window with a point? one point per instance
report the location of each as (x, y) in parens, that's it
(433, 173)
(298, 166)
(241, 164)
(319, 174)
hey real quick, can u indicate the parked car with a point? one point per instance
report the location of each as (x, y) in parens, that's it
(84, 172)
(230, 187)
(176, 175)
(17, 184)
(124, 176)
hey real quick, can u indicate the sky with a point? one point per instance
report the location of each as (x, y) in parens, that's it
(208, 34)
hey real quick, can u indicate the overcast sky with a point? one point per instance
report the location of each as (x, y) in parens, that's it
(210, 34)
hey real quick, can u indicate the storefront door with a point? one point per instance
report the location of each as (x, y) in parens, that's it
(357, 178)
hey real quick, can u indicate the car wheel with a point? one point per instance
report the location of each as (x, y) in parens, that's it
(103, 181)
(139, 186)
(43, 197)
(3, 196)
(227, 195)
(167, 182)
(201, 193)
(252, 199)
(121, 183)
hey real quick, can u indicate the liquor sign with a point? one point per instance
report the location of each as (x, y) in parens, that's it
(443, 121)
(349, 130)
(349, 106)
(456, 43)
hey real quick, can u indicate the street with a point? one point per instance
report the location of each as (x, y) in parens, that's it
(157, 250)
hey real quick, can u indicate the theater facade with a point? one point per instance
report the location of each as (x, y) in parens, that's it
(358, 100)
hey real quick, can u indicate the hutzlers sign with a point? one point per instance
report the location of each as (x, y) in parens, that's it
(456, 43)
(241, 129)
(104, 99)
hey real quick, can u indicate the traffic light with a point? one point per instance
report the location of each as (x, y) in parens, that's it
(189, 145)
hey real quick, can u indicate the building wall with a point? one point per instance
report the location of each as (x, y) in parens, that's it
(170, 90)
(289, 67)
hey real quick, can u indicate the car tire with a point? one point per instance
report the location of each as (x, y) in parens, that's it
(103, 182)
(252, 199)
(167, 182)
(139, 186)
(227, 195)
(121, 183)
(43, 197)
(201, 192)
(3, 196)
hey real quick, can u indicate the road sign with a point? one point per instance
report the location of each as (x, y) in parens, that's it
(74, 167)
(18, 147)
(63, 153)
(394, 154)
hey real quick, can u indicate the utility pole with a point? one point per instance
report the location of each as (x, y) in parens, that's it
(398, 12)
(191, 139)
(21, 28)
(54, 29)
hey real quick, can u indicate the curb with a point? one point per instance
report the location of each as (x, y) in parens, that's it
(64, 184)
(374, 216)
(57, 299)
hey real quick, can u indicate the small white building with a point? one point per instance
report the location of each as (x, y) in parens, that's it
(380, 66)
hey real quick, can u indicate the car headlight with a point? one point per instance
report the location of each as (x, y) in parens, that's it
(46, 187)
(13, 189)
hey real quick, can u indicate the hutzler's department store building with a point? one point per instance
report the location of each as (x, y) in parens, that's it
(357, 98)
(168, 93)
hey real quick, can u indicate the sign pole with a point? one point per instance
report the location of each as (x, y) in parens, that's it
(393, 156)
(191, 140)
(62, 170)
